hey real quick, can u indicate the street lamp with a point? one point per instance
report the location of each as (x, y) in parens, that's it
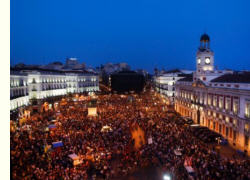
(166, 177)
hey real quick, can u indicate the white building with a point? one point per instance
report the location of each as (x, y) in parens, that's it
(27, 84)
(165, 83)
(219, 100)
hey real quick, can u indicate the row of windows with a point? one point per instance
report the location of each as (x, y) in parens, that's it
(64, 80)
(223, 117)
(229, 131)
(223, 129)
(222, 102)
(18, 93)
(227, 103)
(18, 83)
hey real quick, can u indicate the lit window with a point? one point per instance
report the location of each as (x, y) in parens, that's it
(215, 101)
(220, 102)
(247, 110)
(209, 100)
(235, 106)
(246, 127)
(228, 103)
(235, 122)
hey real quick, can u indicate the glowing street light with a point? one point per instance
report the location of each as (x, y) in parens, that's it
(166, 177)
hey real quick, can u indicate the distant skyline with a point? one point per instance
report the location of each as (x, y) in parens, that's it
(145, 34)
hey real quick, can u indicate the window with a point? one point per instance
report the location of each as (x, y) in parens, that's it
(209, 100)
(235, 106)
(201, 98)
(228, 103)
(246, 140)
(235, 122)
(220, 102)
(247, 110)
(227, 119)
(234, 135)
(246, 127)
(215, 101)
(220, 128)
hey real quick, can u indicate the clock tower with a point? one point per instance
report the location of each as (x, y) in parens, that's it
(204, 59)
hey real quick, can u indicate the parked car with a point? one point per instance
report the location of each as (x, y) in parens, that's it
(188, 120)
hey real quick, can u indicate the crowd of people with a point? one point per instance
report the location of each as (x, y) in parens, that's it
(112, 154)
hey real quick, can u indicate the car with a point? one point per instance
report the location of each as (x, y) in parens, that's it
(188, 120)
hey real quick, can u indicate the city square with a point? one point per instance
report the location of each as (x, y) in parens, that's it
(125, 90)
(109, 144)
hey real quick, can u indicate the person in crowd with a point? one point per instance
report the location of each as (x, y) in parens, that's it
(112, 154)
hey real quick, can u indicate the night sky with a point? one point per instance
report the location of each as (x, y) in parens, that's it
(145, 34)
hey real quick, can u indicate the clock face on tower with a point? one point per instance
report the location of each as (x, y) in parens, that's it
(207, 60)
(199, 60)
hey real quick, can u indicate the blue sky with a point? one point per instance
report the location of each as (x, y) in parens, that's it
(145, 34)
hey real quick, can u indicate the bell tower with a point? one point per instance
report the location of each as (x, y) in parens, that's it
(204, 59)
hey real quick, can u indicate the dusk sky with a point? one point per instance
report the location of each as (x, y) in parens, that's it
(145, 34)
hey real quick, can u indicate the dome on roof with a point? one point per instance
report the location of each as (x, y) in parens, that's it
(205, 38)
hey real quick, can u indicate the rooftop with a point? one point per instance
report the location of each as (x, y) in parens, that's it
(238, 77)
(188, 78)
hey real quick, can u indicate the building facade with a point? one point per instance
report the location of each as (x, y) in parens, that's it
(165, 83)
(39, 84)
(219, 100)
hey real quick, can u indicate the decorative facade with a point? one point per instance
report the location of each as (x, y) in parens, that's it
(165, 83)
(39, 84)
(219, 100)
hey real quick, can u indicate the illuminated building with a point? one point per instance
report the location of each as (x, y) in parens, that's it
(27, 84)
(219, 100)
(165, 83)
